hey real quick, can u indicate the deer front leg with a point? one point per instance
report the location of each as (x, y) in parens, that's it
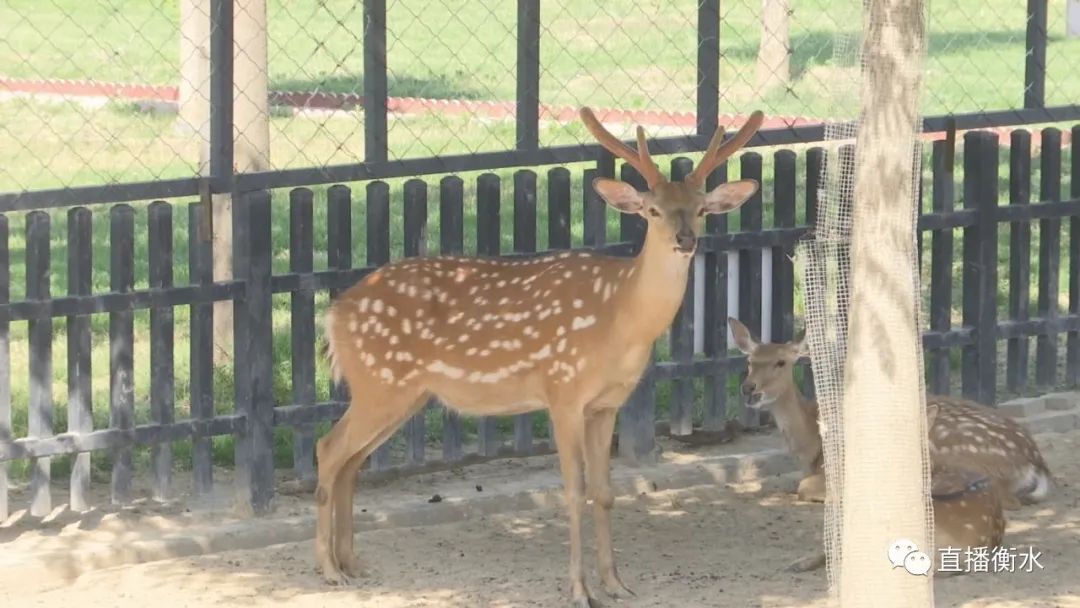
(599, 428)
(569, 439)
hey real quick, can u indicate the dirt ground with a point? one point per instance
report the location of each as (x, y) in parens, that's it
(707, 545)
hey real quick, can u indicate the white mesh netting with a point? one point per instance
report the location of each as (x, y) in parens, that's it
(862, 311)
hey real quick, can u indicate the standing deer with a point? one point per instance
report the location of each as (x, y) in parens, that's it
(569, 332)
(981, 459)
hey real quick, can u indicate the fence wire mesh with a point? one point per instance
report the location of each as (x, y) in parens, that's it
(115, 91)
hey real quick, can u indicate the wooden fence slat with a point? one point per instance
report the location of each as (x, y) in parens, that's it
(1046, 346)
(783, 271)
(681, 337)
(978, 373)
(201, 360)
(40, 415)
(6, 432)
(452, 242)
(750, 264)
(715, 314)
(524, 241)
(259, 354)
(378, 253)
(415, 233)
(162, 329)
(594, 213)
(488, 233)
(943, 196)
(1072, 340)
(559, 217)
(302, 326)
(339, 249)
(80, 404)
(1016, 371)
(121, 346)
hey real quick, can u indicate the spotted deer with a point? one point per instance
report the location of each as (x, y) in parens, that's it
(963, 435)
(568, 332)
(968, 491)
(968, 515)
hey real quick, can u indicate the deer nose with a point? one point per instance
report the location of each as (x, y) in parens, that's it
(748, 388)
(686, 240)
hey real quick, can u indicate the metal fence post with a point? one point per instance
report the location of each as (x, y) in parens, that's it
(375, 85)
(1035, 55)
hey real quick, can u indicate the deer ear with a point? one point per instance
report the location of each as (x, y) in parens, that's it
(802, 349)
(743, 340)
(619, 195)
(729, 196)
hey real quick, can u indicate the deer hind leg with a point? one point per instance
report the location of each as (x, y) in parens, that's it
(569, 440)
(345, 493)
(368, 422)
(599, 427)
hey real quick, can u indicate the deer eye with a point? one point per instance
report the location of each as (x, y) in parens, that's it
(780, 363)
(653, 211)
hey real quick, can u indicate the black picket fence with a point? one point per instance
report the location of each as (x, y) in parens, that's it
(693, 373)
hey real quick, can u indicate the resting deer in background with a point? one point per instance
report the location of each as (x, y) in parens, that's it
(963, 435)
(569, 332)
(982, 460)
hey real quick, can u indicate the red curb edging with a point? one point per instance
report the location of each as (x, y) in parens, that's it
(501, 110)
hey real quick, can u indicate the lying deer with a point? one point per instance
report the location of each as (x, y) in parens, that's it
(967, 490)
(569, 332)
(964, 435)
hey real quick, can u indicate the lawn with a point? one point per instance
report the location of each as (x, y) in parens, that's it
(628, 54)
(634, 55)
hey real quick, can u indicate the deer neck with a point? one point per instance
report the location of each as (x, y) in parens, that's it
(655, 287)
(795, 417)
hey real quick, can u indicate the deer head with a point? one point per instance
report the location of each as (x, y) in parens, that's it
(674, 210)
(769, 373)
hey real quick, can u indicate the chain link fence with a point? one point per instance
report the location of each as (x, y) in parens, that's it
(115, 91)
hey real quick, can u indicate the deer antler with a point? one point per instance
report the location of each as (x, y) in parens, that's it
(640, 159)
(717, 154)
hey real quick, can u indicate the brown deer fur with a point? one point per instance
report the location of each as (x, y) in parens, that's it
(568, 332)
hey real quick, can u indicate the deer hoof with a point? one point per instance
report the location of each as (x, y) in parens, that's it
(616, 589)
(334, 576)
(353, 567)
(584, 602)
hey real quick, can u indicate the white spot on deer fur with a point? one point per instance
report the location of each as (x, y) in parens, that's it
(358, 343)
(565, 255)
(369, 359)
(438, 367)
(607, 291)
(411, 291)
(386, 374)
(484, 352)
(406, 327)
(580, 365)
(393, 340)
(582, 322)
(544, 314)
(377, 306)
(561, 346)
(390, 310)
(561, 330)
(501, 284)
(363, 304)
(541, 354)
(567, 274)
(504, 301)
(352, 326)
(597, 284)
(473, 290)
(577, 303)
(463, 338)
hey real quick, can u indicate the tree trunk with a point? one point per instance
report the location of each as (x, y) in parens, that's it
(774, 51)
(885, 487)
(193, 118)
(251, 116)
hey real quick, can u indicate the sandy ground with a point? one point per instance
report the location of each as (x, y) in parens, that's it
(710, 545)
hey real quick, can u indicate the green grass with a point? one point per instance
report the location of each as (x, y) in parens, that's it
(632, 55)
(629, 54)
